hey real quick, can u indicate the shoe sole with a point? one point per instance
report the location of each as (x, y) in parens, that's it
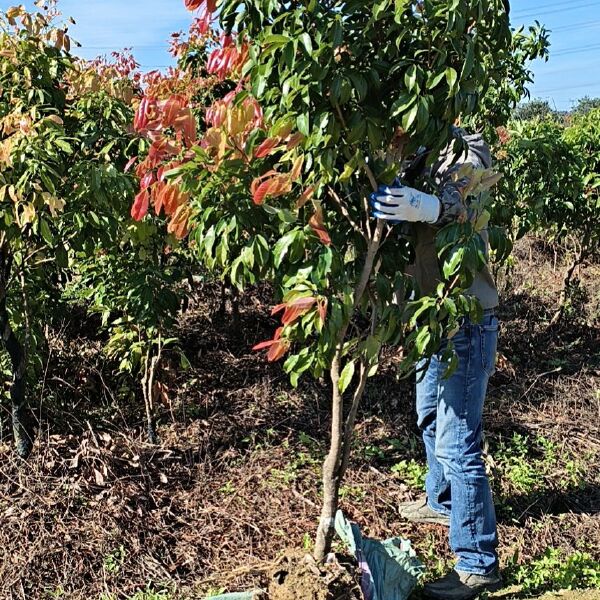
(492, 587)
(428, 520)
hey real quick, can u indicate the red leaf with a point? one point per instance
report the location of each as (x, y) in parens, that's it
(317, 225)
(171, 109)
(147, 180)
(276, 185)
(307, 194)
(266, 147)
(130, 163)
(277, 346)
(294, 309)
(140, 205)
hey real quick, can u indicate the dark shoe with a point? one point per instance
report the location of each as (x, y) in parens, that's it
(458, 585)
(419, 511)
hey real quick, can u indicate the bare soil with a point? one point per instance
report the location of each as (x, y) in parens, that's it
(234, 482)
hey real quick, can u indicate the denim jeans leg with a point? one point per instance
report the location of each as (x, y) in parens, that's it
(436, 485)
(473, 536)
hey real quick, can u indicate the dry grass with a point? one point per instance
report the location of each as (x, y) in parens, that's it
(235, 480)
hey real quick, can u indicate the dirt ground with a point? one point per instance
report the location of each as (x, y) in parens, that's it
(98, 513)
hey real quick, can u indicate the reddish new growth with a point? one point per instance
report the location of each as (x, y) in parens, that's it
(227, 61)
(292, 311)
(503, 135)
(206, 8)
(170, 126)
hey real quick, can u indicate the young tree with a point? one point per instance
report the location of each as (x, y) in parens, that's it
(331, 98)
(35, 147)
(551, 186)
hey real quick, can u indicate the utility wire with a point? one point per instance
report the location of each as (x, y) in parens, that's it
(546, 5)
(567, 88)
(576, 26)
(566, 4)
(576, 50)
(541, 14)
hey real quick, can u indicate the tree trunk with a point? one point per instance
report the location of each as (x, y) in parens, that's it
(336, 462)
(148, 391)
(22, 433)
(331, 467)
(564, 293)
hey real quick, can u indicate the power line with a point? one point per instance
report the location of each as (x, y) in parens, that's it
(546, 5)
(539, 14)
(576, 50)
(576, 26)
(567, 88)
(83, 47)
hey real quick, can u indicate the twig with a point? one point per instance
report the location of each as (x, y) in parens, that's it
(346, 213)
(557, 370)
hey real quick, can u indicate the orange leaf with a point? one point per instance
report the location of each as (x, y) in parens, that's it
(277, 185)
(179, 225)
(317, 225)
(307, 194)
(296, 139)
(297, 168)
(140, 205)
(266, 147)
(171, 109)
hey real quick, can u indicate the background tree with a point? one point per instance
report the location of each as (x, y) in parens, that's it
(585, 105)
(534, 109)
(551, 186)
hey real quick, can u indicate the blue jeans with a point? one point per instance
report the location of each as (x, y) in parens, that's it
(450, 415)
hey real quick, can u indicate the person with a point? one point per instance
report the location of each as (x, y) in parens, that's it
(450, 410)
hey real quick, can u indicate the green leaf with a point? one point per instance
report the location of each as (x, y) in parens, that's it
(410, 117)
(302, 123)
(45, 232)
(402, 104)
(451, 78)
(346, 376)
(275, 40)
(282, 246)
(410, 78)
(307, 43)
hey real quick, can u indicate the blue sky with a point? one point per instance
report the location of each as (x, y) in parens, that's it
(571, 72)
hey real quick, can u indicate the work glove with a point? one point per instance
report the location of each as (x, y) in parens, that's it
(402, 203)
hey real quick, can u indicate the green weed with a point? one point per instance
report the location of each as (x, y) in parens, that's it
(527, 465)
(555, 571)
(411, 472)
(114, 560)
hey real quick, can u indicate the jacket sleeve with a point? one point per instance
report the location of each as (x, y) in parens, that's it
(475, 151)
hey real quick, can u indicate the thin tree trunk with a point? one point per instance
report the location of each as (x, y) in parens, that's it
(331, 467)
(341, 433)
(235, 307)
(564, 293)
(148, 392)
(21, 431)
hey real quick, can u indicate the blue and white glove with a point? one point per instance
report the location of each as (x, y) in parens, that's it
(402, 203)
